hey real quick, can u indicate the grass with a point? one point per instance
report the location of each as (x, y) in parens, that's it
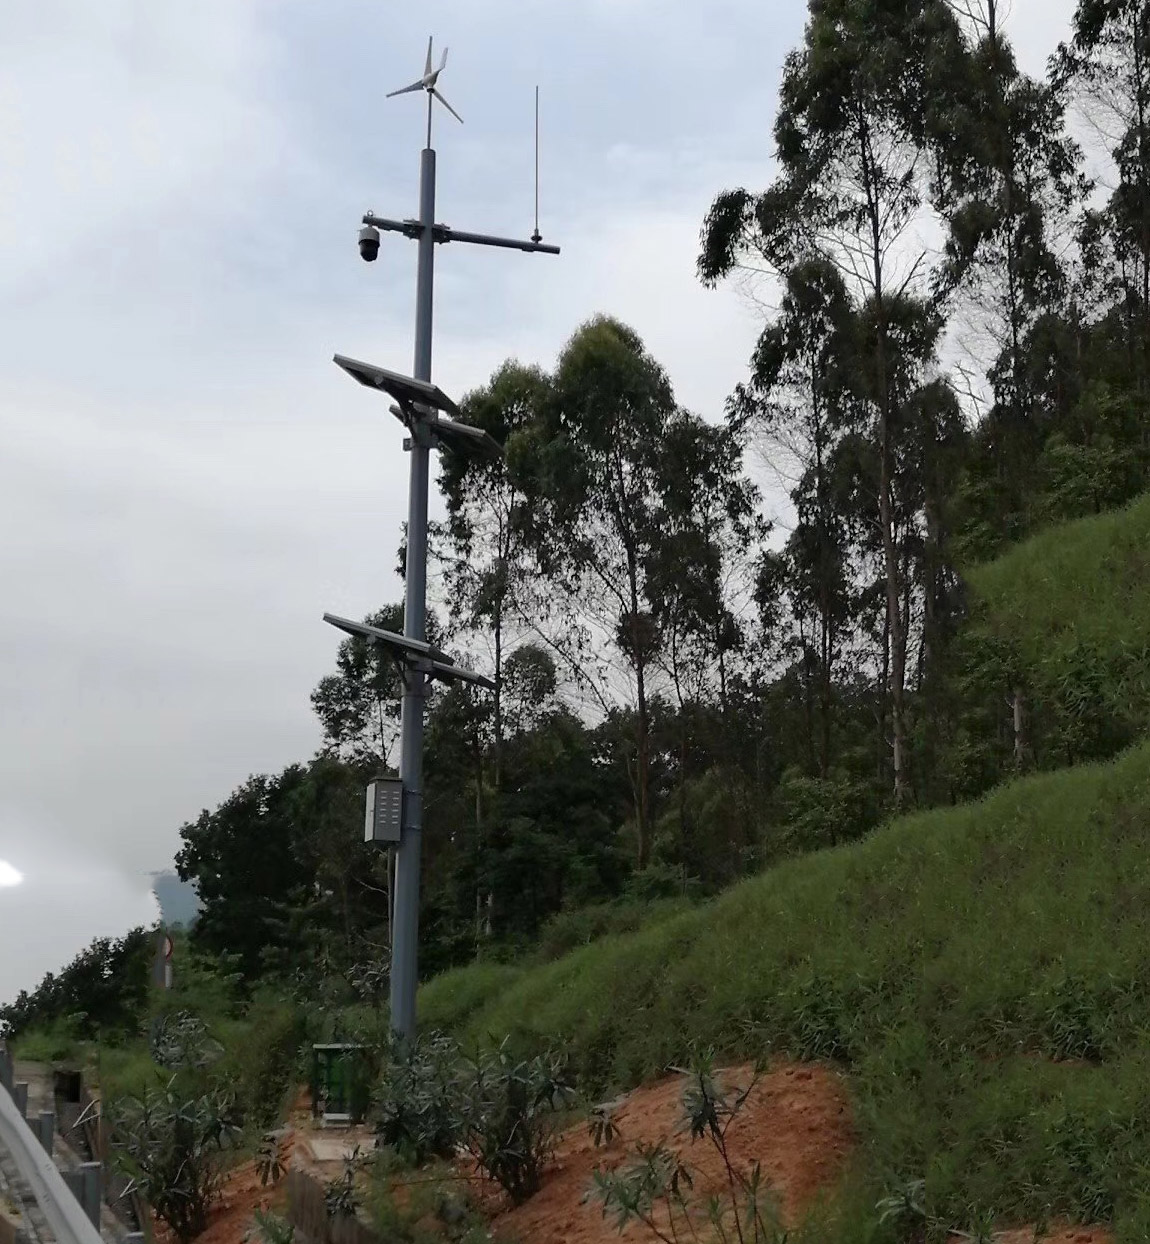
(981, 971)
(1066, 615)
(1082, 582)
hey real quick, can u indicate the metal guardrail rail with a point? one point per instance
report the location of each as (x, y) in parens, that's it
(69, 1223)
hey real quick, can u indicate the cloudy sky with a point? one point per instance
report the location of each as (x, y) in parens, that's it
(186, 481)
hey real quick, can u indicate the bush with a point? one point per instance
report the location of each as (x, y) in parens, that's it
(264, 1059)
(511, 1116)
(174, 1145)
(501, 1108)
(418, 1107)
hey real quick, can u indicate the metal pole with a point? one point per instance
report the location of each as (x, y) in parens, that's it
(405, 944)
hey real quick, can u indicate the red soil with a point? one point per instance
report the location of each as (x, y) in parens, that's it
(1058, 1235)
(796, 1123)
(231, 1218)
(243, 1194)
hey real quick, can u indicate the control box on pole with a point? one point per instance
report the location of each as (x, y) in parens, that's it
(383, 821)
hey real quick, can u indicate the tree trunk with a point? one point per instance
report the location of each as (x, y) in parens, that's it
(1021, 741)
(642, 814)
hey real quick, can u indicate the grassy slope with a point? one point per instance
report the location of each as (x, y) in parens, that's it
(982, 970)
(1072, 605)
(1086, 582)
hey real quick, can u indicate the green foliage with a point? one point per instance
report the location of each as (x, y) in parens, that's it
(1074, 606)
(263, 1058)
(579, 926)
(979, 970)
(101, 993)
(512, 1115)
(174, 1142)
(502, 1108)
(427, 1206)
(418, 1109)
(823, 812)
(180, 1039)
(341, 1196)
(271, 1159)
(269, 1228)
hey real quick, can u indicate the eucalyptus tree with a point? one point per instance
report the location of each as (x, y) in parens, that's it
(614, 475)
(487, 571)
(1008, 188)
(1107, 60)
(861, 103)
(590, 468)
(798, 401)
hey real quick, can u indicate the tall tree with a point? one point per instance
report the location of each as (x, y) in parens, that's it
(1108, 60)
(798, 401)
(487, 573)
(859, 105)
(591, 469)
(621, 482)
(1008, 186)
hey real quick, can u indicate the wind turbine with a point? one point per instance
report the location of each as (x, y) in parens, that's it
(428, 83)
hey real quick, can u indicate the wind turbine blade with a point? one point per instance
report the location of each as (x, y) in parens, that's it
(435, 92)
(403, 90)
(427, 69)
(443, 62)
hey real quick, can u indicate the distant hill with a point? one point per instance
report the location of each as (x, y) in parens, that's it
(179, 902)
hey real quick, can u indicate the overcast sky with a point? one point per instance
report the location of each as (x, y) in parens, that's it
(186, 481)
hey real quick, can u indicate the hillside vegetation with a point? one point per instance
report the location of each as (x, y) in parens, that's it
(1068, 612)
(980, 969)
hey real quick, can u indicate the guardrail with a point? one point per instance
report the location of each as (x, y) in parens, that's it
(69, 1222)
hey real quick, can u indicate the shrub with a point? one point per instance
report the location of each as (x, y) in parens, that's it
(511, 1115)
(418, 1107)
(174, 1145)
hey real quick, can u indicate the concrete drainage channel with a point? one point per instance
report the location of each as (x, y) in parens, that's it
(69, 1200)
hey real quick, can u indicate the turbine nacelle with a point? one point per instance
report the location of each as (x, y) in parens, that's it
(428, 83)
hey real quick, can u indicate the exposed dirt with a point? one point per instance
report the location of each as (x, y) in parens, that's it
(796, 1123)
(243, 1194)
(1058, 1235)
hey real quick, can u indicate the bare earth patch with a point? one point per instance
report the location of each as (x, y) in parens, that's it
(1058, 1235)
(796, 1123)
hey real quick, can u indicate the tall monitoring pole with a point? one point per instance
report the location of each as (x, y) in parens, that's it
(395, 814)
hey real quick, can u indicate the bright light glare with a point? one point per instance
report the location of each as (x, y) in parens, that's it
(9, 875)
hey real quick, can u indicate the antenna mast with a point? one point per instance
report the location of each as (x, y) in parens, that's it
(420, 406)
(537, 236)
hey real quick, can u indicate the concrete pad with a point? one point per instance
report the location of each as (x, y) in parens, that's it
(338, 1148)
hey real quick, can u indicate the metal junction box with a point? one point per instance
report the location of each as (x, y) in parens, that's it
(384, 819)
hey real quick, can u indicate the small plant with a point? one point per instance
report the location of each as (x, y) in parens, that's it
(601, 1124)
(340, 1196)
(652, 1189)
(174, 1145)
(904, 1209)
(271, 1158)
(981, 1228)
(657, 1189)
(269, 1228)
